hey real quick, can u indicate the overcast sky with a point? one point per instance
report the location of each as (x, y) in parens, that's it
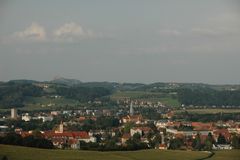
(121, 40)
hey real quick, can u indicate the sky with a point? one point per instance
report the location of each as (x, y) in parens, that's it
(141, 41)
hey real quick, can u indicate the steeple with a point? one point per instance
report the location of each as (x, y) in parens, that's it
(131, 111)
(61, 127)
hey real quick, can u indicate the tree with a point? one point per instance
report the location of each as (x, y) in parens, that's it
(12, 139)
(127, 127)
(235, 141)
(221, 139)
(4, 158)
(208, 145)
(197, 142)
(156, 140)
(209, 142)
(37, 134)
(136, 137)
(175, 143)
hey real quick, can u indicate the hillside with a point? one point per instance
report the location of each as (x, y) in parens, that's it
(61, 92)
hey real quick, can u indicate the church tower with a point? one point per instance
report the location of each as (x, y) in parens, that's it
(131, 111)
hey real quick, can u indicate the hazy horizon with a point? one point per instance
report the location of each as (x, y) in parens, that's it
(121, 41)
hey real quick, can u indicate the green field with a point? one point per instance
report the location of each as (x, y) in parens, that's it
(36, 103)
(147, 96)
(24, 153)
(226, 155)
(210, 111)
(45, 103)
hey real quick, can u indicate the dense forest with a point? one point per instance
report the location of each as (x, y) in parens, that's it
(83, 94)
(13, 94)
(209, 97)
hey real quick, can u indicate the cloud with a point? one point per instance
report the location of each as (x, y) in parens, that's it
(72, 31)
(33, 32)
(169, 32)
(216, 31)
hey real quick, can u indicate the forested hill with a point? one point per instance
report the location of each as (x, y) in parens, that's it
(18, 93)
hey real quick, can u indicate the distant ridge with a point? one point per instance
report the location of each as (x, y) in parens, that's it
(23, 81)
(65, 81)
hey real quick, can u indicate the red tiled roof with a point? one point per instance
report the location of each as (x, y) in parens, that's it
(25, 134)
(79, 134)
(144, 129)
(126, 136)
(223, 132)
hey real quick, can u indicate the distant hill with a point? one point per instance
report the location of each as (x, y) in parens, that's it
(22, 81)
(66, 81)
(20, 93)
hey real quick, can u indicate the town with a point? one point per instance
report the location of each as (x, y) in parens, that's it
(124, 128)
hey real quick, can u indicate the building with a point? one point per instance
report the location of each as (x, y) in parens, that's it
(68, 137)
(14, 113)
(125, 137)
(222, 147)
(45, 118)
(131, 111)
(162, 146)
(26, 117)
(137, 119)
(140, 130)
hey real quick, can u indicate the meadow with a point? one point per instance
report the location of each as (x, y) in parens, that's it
(25, 153)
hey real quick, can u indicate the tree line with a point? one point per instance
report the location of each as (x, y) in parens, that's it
(14, 94)
(35, 140)
(209, 97)
(83, 94)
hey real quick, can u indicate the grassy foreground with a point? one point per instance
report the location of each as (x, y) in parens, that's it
(25, 153)
(226, 155)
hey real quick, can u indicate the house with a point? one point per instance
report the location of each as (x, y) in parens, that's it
(137, 119)
(70, 138)
(161, 123)
(26, 117)
(125, 137)
(141, 130)
(223, 132)
(197, 126)
(45, 118)
(136, 130)
(162, 147)
(222, 147)
(55, 113)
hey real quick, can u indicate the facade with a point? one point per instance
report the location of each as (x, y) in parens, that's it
(135, 119)
(14, 113)
(26, 117)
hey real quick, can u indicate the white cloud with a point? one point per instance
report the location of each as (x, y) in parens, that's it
(72, 31)
(33, 32)
(206, 31)
(216, 31)
(169, 32)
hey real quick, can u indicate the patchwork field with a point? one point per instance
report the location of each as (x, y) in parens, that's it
(211, 111)
(147, 96)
